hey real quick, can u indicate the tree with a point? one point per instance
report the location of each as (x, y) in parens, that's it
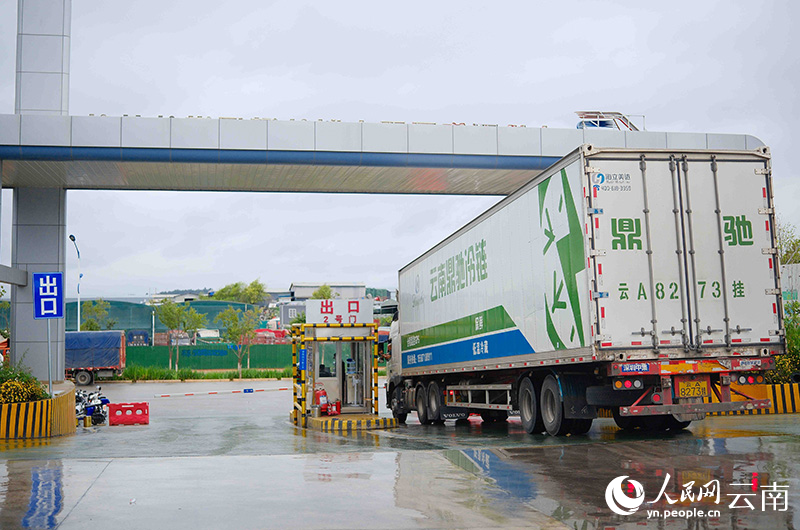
(240, 330)
(323, 293)
(299, 319)
(254, 293)
(230, 293)
(191, 321)
(95, 315)
(788, 243)
(171, 315)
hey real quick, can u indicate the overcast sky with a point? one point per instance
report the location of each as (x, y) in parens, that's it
(728, 67)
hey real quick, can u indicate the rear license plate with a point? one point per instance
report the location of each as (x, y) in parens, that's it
(688, 389)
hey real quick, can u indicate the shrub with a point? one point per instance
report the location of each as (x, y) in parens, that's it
(22, 391)
(789, 363)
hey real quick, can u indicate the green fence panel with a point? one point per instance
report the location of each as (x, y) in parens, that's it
(211, 356)
(130, 316)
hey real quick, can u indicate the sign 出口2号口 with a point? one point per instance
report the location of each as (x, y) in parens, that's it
(357, 311)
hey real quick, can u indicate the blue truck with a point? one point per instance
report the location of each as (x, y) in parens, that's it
(93, 355)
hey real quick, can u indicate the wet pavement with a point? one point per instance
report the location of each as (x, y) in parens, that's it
(235, 461)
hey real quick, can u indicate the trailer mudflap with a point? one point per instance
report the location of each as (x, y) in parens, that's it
(694, 408)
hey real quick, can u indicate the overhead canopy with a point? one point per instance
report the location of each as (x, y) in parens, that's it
(203, 154)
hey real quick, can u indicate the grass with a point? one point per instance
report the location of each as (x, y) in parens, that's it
(155, 373)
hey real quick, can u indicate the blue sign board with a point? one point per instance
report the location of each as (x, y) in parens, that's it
(48, 295)
(301, 359)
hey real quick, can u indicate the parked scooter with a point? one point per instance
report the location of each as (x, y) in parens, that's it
(92, 404)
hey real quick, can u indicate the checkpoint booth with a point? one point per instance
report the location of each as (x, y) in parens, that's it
(335, 361)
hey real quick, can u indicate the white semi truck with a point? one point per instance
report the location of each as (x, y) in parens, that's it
(644, 281)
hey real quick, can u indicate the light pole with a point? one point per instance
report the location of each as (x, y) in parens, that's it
(80, 275)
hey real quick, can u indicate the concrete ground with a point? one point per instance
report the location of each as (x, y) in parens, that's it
(235, 461)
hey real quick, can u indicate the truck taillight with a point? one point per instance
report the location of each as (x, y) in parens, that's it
(744, 379)
(628, 384)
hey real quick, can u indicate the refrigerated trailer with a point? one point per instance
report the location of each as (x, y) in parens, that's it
(644, 281)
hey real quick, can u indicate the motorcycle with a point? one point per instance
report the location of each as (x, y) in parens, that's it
(91, 404)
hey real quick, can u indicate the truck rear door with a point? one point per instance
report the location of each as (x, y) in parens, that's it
(682, 249)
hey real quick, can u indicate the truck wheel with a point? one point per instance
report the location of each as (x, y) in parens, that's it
(553, 408)
(434, 403)
(422, 406)
(674, 424)
(529, 408)
(83, 378)
(626, 423)
(652, 423)
(397, 408)
(581, 426)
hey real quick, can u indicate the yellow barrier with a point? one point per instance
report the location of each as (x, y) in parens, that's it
(38, 419)
(785, 398)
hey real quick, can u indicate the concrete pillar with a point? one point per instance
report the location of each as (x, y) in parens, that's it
(43, 40)
(38, 236)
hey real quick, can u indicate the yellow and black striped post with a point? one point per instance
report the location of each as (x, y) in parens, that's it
(375, 372)
(294, 375)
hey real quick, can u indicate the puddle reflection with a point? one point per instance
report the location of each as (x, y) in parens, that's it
(569, 482)
(31, 494)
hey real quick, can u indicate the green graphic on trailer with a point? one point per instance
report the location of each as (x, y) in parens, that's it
(489, 321)
(563, 234)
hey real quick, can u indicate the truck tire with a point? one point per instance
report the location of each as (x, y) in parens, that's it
(83, 378)
(581, 426)
(529, 411)
(552, 406)
(434, 403)
(397, 405)
(674, 424)
(653, 423)
(422, 405)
